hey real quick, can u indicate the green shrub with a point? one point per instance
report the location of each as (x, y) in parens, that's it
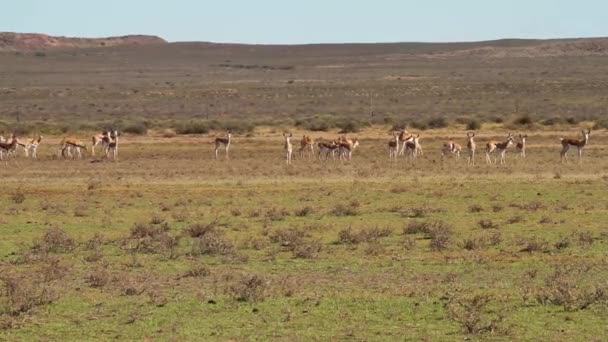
(473, 125)
(138, 128)
(437, 122)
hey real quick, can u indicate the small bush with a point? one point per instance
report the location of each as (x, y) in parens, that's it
(473, 125)
(99, 277)
(169, 133)
(212, 243)
(535, 245)
(305, 211)
(138, 128)
(55, 240)
(437, 122)
(198, 230)
(193, 127)
(564, 287)
(472, 314)
(487, 224)
(349, 126)
(197, 271)
(524, 120)
(307, 249)
(475, 208)
(346, 210)
(249, 288)
(18, 197)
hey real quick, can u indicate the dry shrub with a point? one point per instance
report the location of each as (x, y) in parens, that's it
(26, 290)
(198, 230)
(475, 208)
(305, 211)
(562, 243)
(169, 133)
(545, 220)
(497, 208)
(348, 236)
(130, 285)
(152, 238)
(81, 211)
(487, 224)
(374, 249)
(54, 240)
(515, 219)
(565, 287)
(472, 313)
(342, 209)
(584, 239)
(196, 272)
(307, 249)
(276, 214)
(535, 245)
(422, 211)
(429, 228)
(18, 196)
(212, 243)
(249, 288)
(98, 277)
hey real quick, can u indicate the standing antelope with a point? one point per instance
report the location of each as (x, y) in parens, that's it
(499, 148)
(288, 147)
(393, 147)
(451, 147)
(223, 142)
(103, 139)
(307, 145)
(31, 147)
(413, 148)
(67, 144)
(346, 148)
(327, 148)
(471, 146)
(9, 148)
(579, 144)
(112, 145)
(521, 146)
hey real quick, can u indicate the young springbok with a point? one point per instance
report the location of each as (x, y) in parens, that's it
(451, 147)
(393, 147)
(112, 145)
(346, 148)
(471, 147)
(31, 147)
(103, 139)
(579, 144)
(307, 146)
(67, 144)
(288, 147)
(500, 148)
(413, 148)
(521, 146)
(223, 142)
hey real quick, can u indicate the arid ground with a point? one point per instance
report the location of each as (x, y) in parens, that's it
(167, 243)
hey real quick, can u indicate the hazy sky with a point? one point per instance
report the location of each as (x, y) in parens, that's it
(310, 21)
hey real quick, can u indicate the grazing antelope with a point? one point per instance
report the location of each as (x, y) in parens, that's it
(521, 146)
(103, 139)
(112, 145)
(67, 144)
(31, 147)
(451, 147)
(288, 147)
(579, 144)
(307, 145)
(223, 142)
(346, 148)
(327, 148)
(500, 148)
(9, 148)
(393, 147)
(471, 147)
(413, 148)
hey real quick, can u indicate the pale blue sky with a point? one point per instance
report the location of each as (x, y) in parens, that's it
(310, 21)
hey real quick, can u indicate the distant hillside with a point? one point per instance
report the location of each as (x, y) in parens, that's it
(11, 41)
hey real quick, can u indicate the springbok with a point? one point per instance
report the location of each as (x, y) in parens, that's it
(307, 146)
(9, 148)
(521, 146)
(346, 148)
(103, 139)
(471, 147)
(449, 148)
(413, 148)
(393, 147)
(112, 145)
(223, 142)
(579, 144)
(288, 147)
(31, 147)
(500, 148)
(67, 144)
(327, 148)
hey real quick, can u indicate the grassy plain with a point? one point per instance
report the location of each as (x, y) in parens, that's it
(169, 244)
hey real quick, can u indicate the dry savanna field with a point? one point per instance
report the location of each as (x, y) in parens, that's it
(167, 243)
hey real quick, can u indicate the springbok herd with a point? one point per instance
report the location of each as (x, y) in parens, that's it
(402, 144)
